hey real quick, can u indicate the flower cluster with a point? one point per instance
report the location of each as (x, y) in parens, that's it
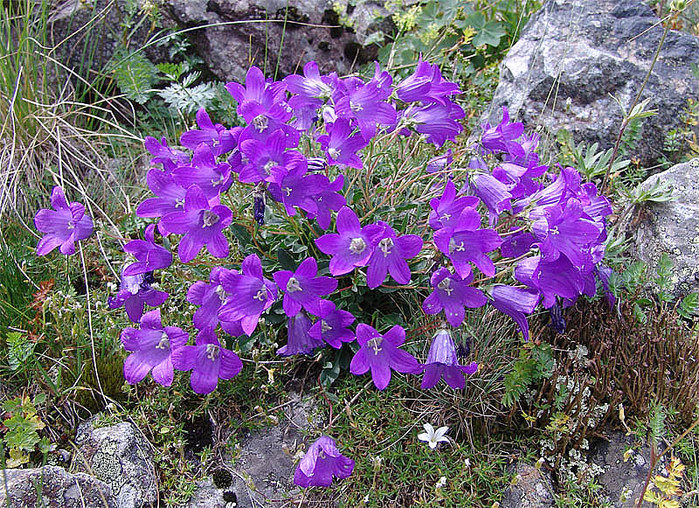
(512, 234)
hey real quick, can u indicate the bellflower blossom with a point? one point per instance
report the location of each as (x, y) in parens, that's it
(303, 288)
(294, 187)
(380, 353)
(208, 361)
(219, 139)
(321, 462)
(552, 279)
(209, 297)
(169, 197)
(390, 254)
(299, 340)
(502, 137)
(438, 122)
(443, 362)
(149, 254)
(167, 157)
(447, 208)
(329, 198)
(264, 155)
(253, 294)
(151, 348)
(201, 225)
(451, 294)
(364, 103)
(63, 226)
(211, 177)
(351, 245)
(426, 85)
(341, 146)
(134, 293)
(332, 325)
(516, 303)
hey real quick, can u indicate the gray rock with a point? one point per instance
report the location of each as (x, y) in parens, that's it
(264, 467)
(52, 486)
(120, 456)
(673, 227)
(531, 488)
(207, 495)
(622, 480)
(89, 33)
(256, 29)
(574, 55)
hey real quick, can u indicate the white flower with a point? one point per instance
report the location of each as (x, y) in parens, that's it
(441, 483)
(433, 437)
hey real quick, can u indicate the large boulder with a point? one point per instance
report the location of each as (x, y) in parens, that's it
(574, 55)
(235, 34)
(53, 486)
(121, 457)
(672, 227)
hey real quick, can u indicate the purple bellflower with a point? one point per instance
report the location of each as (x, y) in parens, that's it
(552, 279)
(332, 325)
(364, 103)
(216, 136)
(261, 104)
(467, 242)
(437, 122)
(447, 209)
(299, 341)
(426, 85)
(151, 349)
(516, 303)
(64, 225)
(321, 462)
(451, 294)
(134, 293)
(208, 361)
(380, 353)
(164, 155)
(201, 224)
(328, 199)
(390, 254)
(295, 188)
(303, 288)
(501, 138)
(351, 245)
(443, 362)
(341, 146)
(169, 197)
(264, 155)
(211, 177)
(209, 297)
(149, 254)
(253, 294)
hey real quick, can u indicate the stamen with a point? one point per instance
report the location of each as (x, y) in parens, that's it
(179, 203)
(445, 285)
(164, 342)
(334, 153)
(356, 107)
(357, 245)
(293, 285)
(325, 327)
(385, 246)
(375, 343)
(555, 231)
(212, 351)
(287, 191)
(260, 123)
(209, 218)
(261, 295)
(221, 293)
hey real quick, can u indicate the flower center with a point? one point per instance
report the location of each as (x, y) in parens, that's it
(179, 203)
(446, 216)
(267, 167)
(164, 342)
(334, 153)
(385, 246)
(217, 181)
(375, 343)
(324, 326)
(356, 107)
(261, 294)
(209, 218)
(445, 285)
(212, 351)
(555, 231)
(221, 293)
(287, 191)
(458, 247)
(357, 245)
(260, 123)
(293, 285)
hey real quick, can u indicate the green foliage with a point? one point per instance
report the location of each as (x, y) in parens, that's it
(135, 75)
(22, 430)
(534, 364)
(588, 159)
(689, 306)
(20, 351)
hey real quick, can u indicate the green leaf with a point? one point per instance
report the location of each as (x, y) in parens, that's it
(689, 306)
(285, 260)
(489, 32)
(135, 75)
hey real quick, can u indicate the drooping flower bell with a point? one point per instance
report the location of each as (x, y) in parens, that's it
(322, 461)
(443, 362)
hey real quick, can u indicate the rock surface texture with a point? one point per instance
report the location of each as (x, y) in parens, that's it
(574, 55)
(250, 32)
(122, 458)
(53, 486)
(531, 488)
(673, 227)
